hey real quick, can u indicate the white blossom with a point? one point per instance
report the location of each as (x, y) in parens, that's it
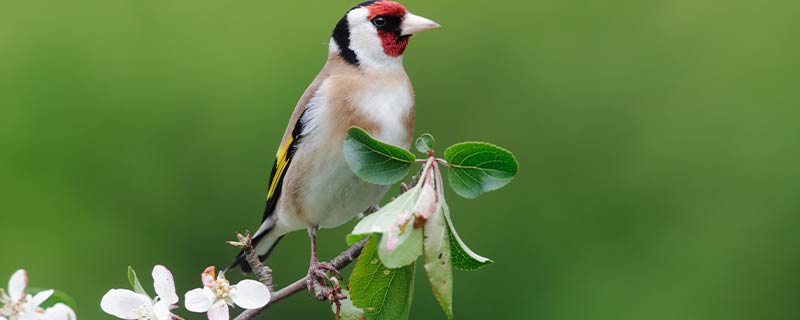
(217, 294)
(17, 305)
(126, 304)
(59, 311)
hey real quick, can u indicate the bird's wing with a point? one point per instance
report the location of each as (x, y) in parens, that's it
(289, 143)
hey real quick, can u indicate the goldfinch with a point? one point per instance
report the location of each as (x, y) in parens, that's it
(363, 84)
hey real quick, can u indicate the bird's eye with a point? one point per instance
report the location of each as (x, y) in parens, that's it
(379, 21)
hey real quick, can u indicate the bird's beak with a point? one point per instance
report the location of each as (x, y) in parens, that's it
(413, 23)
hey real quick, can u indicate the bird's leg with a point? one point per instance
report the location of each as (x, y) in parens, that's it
(317, 278)
(319, 267)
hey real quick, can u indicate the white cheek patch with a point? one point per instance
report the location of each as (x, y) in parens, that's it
(364, 41)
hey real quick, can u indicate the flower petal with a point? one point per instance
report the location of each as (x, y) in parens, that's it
(28, 315)
(123, 303)
(161, 310)
(219, 311)
(17, 284)
(40, 297)
(3, 318)
(59, 311)
(250, 294)
(198, 300)
(208, 276)
(164, 284)
(426, 204)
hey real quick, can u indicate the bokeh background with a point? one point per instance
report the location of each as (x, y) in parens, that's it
(658, 142)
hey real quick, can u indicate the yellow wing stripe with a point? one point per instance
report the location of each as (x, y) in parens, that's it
(280, 166)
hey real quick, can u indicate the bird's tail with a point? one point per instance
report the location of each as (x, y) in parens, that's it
(263, 242)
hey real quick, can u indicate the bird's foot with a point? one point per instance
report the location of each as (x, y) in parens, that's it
(324, 287)
(319, 268)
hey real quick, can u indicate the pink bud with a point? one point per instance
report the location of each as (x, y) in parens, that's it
(391, 241)
(426, 204)
(208, 276)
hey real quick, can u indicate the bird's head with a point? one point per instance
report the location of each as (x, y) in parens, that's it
(375, 33)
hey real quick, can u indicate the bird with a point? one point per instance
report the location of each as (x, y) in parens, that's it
(363, 83)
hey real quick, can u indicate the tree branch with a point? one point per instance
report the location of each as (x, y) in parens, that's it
(265, 273)
(341, 261)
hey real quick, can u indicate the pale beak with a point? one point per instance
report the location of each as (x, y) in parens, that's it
(413, 23)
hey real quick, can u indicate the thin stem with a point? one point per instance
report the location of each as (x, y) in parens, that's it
(264, 273)
(341, 261)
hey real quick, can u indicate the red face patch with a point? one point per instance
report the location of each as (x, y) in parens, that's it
(393, 44)
(386, 8)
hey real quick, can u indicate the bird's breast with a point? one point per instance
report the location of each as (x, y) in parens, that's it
(386, 110)
(331, 194)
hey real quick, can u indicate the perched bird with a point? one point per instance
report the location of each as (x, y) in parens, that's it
(363, 84)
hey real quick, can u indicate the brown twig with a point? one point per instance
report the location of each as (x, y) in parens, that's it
(264, 273)
(341, 261)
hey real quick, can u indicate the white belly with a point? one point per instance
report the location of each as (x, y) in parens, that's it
(330, 193)
(339, 195)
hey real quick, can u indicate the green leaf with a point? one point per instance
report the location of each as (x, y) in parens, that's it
(381, 221)
(351, 239)
(383, 294)
(406, 252)
(134, 280)
(438, 264)
(425, 143)
(478, 167)
(463, 258)
(348, 311)
(407, 240)
(374, 161)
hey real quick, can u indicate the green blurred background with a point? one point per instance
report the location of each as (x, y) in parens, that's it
(658, 143)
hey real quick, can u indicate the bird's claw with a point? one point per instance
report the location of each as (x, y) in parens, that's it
(324, 287)
(328, 267)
